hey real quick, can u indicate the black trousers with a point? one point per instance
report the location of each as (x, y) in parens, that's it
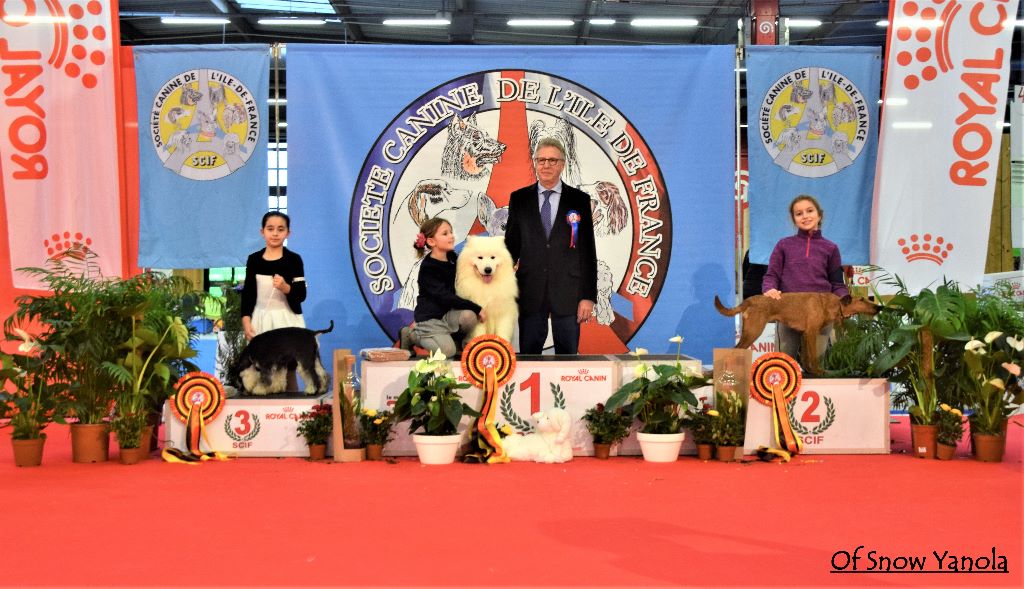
(533, 331)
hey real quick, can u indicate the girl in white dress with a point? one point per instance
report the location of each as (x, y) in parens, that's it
(275, 284)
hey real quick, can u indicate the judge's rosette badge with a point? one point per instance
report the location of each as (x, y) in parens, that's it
(199, 398)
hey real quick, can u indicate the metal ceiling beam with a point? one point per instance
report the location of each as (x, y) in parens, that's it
(238, 20)
(353, 32)
(583, 28)
(843, 13)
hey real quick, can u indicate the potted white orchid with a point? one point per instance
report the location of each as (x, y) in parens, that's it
(993, 365)
(432, 404)
(657, 398)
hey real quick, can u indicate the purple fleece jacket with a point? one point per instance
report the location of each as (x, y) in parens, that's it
(805, 262)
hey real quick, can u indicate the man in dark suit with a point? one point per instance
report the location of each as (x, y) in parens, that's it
(550, 234)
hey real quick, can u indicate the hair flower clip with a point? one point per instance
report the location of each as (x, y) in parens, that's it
(421, 241)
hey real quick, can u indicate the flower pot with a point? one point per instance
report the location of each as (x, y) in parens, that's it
(90, 442)
(135, 455)
(28, 452)
(436, 449)
(725, 453)
(374, 452)
(317, 451)
(922, 440)
(602, 451)
(705, 451)
(660, 447)
(989, 448)
(945, 451)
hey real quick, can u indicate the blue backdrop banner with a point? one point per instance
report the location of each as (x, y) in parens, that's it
(381, 138)
(812, 128)
(202, 153)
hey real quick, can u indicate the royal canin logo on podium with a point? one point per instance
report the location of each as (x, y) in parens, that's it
(925, 247)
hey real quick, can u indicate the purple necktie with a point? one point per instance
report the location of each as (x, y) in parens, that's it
(545, 212)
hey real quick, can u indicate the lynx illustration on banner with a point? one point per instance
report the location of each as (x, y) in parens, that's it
(460, 149)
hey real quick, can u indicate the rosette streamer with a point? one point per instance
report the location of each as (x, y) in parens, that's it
(573, 219)
(198, 398)
(488, 361)
(775, 381)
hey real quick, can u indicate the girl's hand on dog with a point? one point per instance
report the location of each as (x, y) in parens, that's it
(247, 328)
(281, 285)
(773, 294)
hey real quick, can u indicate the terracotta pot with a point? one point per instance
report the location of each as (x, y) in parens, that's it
(970, 430)
(602, 451)
(28, 452)
(317, 451)
(374, 452)
(90, 442)
(989, 448)
(945, 451)
(135, 455)
(922, 440)
(725, 453)
(705, 451)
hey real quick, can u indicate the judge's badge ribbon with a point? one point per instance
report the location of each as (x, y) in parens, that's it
(573, 219)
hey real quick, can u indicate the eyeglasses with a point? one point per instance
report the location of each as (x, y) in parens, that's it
(547, 161)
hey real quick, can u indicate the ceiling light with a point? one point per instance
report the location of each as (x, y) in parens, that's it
(417, 22)
(1013, 23)
(290, 21)
(277, 101)
(282, 125)
(193, 20)
(663, 22)
(541, 22)
(802, 23)
(21, 19)
(602, 21)
(894, 101)
(915, 23)
(882, 23)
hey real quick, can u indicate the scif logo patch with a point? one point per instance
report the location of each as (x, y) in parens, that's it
(460, 149)
(204, 124)
(814, 122)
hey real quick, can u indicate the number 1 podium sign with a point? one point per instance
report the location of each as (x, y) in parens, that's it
(539, 383)
(831, 416)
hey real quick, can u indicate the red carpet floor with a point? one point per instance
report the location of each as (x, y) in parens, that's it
(588, 523)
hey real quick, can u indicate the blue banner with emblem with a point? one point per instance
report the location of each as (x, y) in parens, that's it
(384, 137)
(202, 153)
(812, 128)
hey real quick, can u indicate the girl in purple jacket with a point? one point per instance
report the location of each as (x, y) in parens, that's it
(805, 262)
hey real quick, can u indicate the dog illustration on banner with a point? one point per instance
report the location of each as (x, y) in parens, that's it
(469, 151)
(263, 365)
(484, 275)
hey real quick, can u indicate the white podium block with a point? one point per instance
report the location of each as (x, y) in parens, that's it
(250, 426)
(539, 383)
(830, 416)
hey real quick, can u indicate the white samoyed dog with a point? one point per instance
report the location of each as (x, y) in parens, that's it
(485, 275)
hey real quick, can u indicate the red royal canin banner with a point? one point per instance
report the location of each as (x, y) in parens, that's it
(945, 97)
(58, 132)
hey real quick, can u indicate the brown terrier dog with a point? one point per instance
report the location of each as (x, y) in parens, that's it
(808, 312)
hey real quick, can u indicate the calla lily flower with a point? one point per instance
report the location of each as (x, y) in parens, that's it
(676, 339)
(423, 367)
(975, 345)
(991, 336)
(28, 342)
(640, 370)
(1016, 344)
(998, 383)
(640, 351)
(1012, 368)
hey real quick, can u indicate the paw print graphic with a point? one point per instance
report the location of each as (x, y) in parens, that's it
(923, 23)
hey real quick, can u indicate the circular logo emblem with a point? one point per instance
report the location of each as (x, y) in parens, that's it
(459, 150)
(814, 122)
(204, 124)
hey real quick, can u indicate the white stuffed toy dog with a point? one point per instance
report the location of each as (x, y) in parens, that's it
(551, 443)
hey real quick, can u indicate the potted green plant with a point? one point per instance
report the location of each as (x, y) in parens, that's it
(230, 336)
(994, 368)
(728, 424)
(375, 431)
(156, 340)
(607, 428)
(657, 397)
(432, 404)
(700, 422)
(316, 426)
(930, 319)
(951, 429)
(31, 405)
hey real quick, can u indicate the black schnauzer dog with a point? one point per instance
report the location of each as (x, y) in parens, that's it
(263, 365)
